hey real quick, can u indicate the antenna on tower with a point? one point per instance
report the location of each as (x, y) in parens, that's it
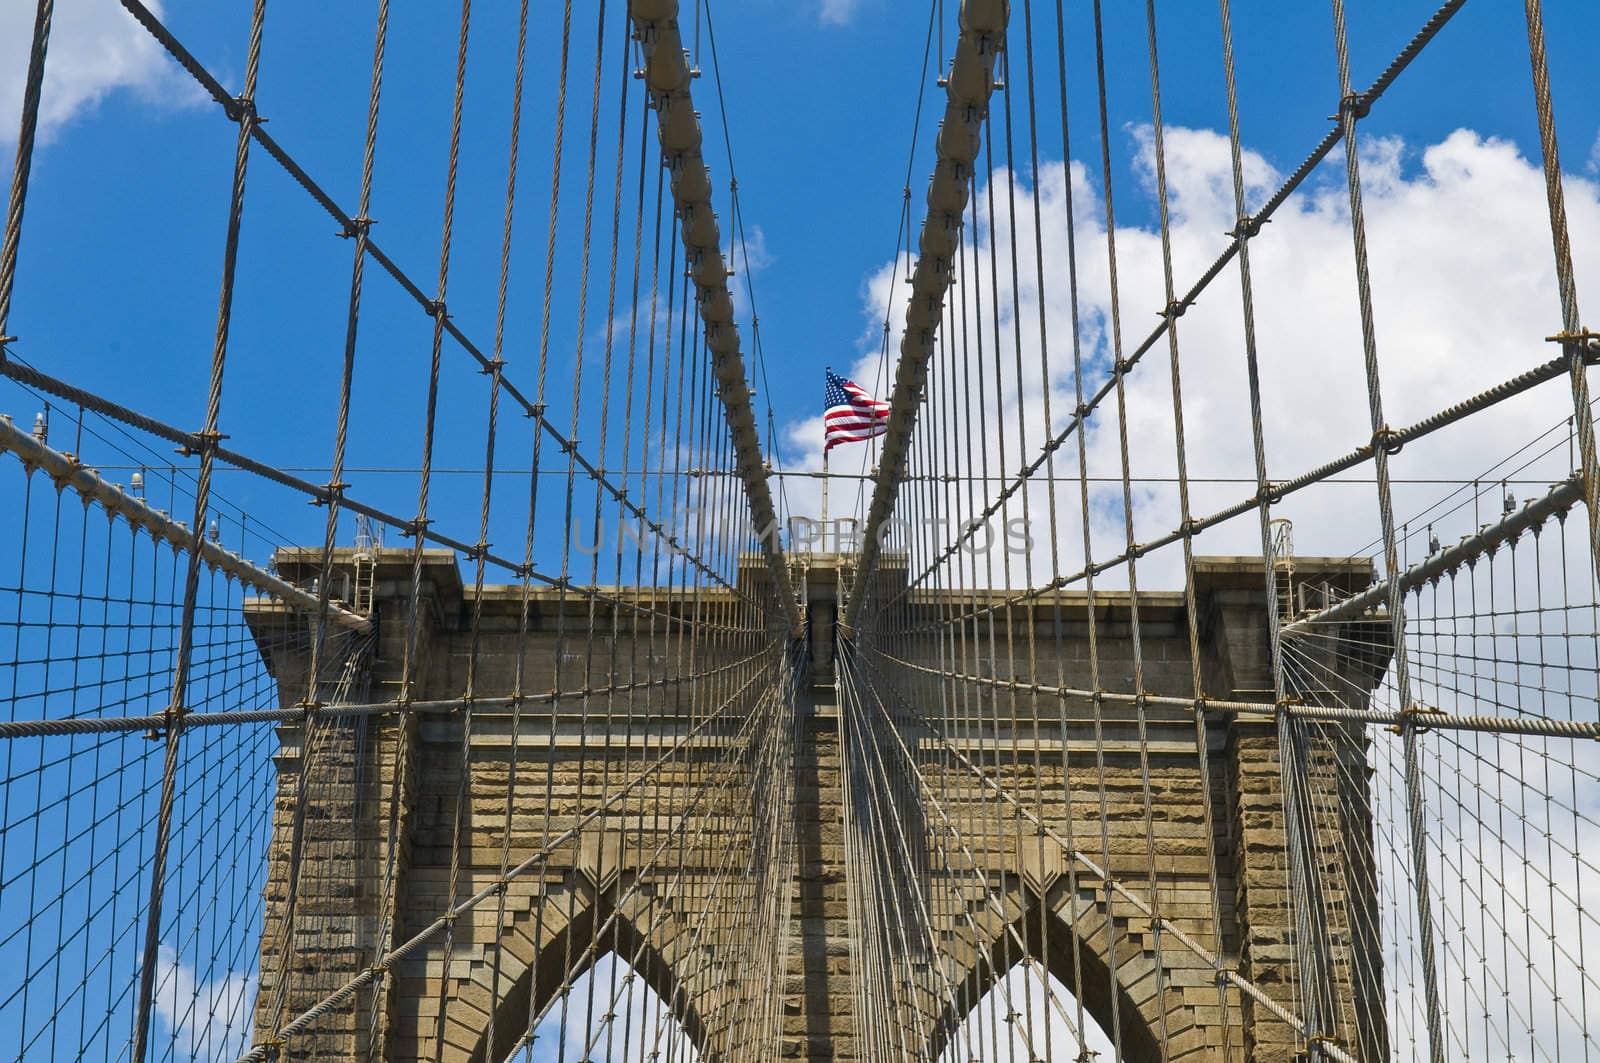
(369, 540)
(369, 536)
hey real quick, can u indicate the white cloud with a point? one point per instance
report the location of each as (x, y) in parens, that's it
(747, 259)
(1047, 1017)
(96, 50)
(611, 1017)
(1464, 295)
(752, 254)
(210, 1020)
(837, 12)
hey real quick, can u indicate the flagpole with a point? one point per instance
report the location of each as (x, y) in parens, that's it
(824, 489)
(823, 520)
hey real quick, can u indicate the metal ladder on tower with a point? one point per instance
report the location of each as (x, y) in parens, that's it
(369, 540)
(1283, 566)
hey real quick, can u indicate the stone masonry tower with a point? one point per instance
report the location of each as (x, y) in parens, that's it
(400, 819)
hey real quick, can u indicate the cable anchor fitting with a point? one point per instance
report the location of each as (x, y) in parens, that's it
(1248, 226)
(1357, 105)
(1409, 716)
(171, 716)
(331, 492)
(1387, 440)
(1584, 339)
(204, 441)
(242, 108)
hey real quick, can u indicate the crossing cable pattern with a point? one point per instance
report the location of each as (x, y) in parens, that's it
(1021, 806)
(639, 692)
(1363, 735)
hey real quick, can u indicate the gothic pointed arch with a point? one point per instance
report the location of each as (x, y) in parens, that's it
(599, 938)
(1069, 936)
(1028, 1014)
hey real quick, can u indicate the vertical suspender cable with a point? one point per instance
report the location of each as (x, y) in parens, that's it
(243, 112)
(11, 237)
(1318, 999)
(969, 86)
(667, 77)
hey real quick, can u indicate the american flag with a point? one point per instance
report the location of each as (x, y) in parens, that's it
(852, 414)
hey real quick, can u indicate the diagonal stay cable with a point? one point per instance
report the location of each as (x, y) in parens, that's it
(321, 494)
(1139, 903)
(667, 78)
(66, 472)
(968, 88)
(69, 725)
(846, 659)
(1276, 491)
(664, 895)
(350, 225)
(535, 859)
(1561, 498)
(1552, 728)
(1248, 227)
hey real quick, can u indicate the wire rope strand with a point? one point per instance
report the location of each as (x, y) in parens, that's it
(1348, 115)
(22, 167)
(245, 115)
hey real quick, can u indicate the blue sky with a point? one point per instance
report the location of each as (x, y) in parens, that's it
(117, 288)
(118, 282)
